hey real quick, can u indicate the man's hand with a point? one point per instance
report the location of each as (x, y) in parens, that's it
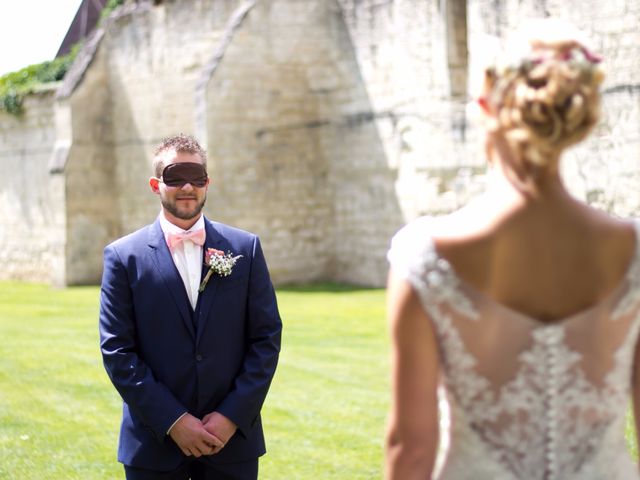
(193, 439)
(219, 426)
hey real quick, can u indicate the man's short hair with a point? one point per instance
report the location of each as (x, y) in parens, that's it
(180, 143)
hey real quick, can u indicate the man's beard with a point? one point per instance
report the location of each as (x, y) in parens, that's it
(172, 208)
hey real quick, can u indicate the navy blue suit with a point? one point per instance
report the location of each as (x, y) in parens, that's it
(165, 359)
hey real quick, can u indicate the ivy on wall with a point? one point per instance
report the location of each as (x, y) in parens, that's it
(15, 86)
(110, 7)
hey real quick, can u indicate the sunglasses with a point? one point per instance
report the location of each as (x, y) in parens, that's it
(179, 174)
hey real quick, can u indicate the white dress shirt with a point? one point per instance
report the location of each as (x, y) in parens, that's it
(187, 256)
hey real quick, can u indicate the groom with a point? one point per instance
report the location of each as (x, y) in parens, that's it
(192, 355)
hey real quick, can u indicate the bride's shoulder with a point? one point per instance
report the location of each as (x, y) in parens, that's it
(416, 232)
(424, 229)
(415, 241)
(410, 247)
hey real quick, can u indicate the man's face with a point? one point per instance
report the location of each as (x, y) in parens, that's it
(181, 204)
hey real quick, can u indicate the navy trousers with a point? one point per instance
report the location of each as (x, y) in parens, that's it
(196, 469)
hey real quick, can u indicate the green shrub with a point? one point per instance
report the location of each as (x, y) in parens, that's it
(15, 86)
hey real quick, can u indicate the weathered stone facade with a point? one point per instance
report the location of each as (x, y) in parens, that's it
(32, 202)
(329, 124)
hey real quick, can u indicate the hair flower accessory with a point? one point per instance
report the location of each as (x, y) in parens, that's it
(219, 263)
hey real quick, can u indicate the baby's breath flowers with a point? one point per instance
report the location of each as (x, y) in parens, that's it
(219, 263)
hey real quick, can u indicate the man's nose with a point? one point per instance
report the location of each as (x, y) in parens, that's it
(187, 187)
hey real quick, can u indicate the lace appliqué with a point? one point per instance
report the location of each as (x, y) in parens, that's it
(548, 422)
(438, 278)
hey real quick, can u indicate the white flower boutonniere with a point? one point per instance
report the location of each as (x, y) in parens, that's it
(219, 263)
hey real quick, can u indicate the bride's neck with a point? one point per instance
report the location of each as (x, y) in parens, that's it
(508, 192)
(503, 200)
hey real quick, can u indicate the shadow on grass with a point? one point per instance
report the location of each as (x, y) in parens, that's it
(323, 288)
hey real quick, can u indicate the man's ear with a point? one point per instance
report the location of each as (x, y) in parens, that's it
(154, 183)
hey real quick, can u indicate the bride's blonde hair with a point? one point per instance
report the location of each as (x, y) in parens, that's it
(547, 98)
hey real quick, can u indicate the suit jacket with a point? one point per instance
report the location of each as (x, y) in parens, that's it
(165, 359)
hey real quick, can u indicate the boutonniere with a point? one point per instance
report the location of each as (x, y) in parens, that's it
(219, 263)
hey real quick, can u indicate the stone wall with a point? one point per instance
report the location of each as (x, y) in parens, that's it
(93, 213)
(392, 147)
(329, 124)
(262, 129)
(296, 152)
(32, 202)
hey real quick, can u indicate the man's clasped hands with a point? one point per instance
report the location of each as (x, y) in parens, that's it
(197, 437)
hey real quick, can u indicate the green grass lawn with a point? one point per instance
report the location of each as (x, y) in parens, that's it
(324, 416)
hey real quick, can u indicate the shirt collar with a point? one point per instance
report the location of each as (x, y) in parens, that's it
(168, 227)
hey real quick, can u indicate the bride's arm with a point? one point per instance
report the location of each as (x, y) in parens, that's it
(636, 392)
(412, 432)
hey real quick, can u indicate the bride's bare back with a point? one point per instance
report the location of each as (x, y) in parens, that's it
(548, 259)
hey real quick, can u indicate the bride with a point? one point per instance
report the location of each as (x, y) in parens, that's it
(523, 306)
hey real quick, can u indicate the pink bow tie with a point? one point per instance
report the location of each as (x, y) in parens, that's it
(197, 237)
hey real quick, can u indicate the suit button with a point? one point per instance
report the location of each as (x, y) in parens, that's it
(199, 357)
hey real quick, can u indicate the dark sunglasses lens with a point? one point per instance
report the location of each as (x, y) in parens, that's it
(178, 174)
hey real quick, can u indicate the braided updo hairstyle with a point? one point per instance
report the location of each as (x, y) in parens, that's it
(548, 99)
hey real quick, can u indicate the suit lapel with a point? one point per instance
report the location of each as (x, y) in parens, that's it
(169, 273)
(213, 240)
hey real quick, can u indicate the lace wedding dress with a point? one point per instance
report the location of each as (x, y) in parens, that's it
(527, 400)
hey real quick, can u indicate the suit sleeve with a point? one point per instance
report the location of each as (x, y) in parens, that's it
(149, 399)
(264, 327)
